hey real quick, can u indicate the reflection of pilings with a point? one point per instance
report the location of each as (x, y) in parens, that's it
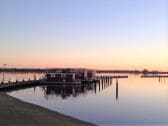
(63, 93)
(34, 89)
(111, 81)
(117, 89)
(95, 86)
(162, 80)
(83, 88)
(99, 86)
(105, 81)
(102, 84)
(73, 90)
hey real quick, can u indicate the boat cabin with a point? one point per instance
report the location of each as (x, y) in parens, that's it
(70, 76)
(60, 77)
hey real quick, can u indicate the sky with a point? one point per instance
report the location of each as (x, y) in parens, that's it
(99, 34)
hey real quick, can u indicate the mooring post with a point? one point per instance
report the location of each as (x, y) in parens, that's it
(9, 81)
(3, 74)
(34, 77)
(95, 86)
(116, 89)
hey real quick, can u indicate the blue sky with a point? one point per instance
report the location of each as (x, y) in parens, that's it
(84, 33)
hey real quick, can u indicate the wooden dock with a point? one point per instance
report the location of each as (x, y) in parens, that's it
(29, 83)
(18, 84)
(89, 81)
(111, 77)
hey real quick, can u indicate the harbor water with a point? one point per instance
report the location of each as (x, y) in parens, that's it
(129, 101)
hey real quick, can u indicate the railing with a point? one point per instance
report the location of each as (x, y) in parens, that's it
(19, 79)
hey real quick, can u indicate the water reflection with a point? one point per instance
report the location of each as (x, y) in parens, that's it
(106, 82)
(67, 91)
(76, 90)
(131, 101)
(162, 80)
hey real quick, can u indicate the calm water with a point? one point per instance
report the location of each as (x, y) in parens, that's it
(130, 101)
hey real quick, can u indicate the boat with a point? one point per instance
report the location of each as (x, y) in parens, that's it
(70, 76)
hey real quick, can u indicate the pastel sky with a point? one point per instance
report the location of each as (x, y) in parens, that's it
(100, 34)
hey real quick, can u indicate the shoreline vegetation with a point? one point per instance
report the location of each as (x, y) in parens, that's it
(38, 70)
(14, 112)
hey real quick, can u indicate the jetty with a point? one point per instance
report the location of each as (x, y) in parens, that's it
(111, 77)
(60, 77)
(19, 84)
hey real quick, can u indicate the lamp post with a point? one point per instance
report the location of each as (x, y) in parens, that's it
(3, 78)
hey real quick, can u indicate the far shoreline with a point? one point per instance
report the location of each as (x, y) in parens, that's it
(44, 70)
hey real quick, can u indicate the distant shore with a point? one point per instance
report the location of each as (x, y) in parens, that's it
(14, 112)
(39, 70)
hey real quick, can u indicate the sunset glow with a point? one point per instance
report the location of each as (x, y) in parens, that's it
(124, 34)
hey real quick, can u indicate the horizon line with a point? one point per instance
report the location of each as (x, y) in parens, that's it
(36, 68)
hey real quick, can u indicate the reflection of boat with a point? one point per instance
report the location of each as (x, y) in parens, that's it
(70, 76)
(66, 91)
(71, 90)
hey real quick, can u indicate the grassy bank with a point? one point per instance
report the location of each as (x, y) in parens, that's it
(14, 112)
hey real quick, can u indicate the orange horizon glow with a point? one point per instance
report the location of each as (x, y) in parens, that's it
(128, 60)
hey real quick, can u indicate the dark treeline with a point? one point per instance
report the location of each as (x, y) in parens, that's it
(145, 71)
(35, 69)
(22, 70)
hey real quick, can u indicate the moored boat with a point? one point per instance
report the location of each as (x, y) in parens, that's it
(70, 76)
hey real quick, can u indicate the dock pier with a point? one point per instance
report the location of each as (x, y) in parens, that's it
(19, 84)
(36, 82)
(110, 77)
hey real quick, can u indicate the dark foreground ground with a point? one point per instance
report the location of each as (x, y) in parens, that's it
(14, 112)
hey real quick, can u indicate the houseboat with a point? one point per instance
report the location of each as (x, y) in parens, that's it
(70, 76)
